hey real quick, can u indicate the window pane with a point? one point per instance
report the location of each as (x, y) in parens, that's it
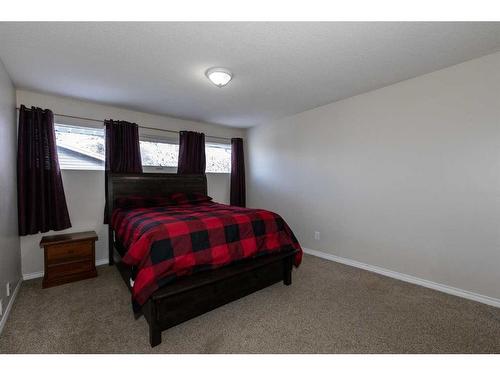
(218, 158)
(80, 147)
(159, 154)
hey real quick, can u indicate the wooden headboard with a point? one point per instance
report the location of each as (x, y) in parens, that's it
(148, 185)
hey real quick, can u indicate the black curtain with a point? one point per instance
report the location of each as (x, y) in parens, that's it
(191, 153)
(123, 152)
(40, 193)
(238, 194)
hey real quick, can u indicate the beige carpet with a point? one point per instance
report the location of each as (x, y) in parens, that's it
(329, 308)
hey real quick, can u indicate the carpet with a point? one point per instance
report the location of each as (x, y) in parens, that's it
(329, 308)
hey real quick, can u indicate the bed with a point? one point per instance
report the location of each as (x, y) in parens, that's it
(171, 279)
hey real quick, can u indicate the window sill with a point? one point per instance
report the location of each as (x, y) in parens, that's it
(80, 169)
(145, 170)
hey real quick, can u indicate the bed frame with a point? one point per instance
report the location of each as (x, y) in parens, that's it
(199, 293)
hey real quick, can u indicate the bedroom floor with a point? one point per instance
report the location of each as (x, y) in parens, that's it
(329, 308)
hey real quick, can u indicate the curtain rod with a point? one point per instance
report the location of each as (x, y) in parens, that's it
(143, 127)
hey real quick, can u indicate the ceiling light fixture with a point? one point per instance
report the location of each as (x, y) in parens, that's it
(220, 77)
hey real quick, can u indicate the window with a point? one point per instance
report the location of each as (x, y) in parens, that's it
(159, 153)
(83, 148)
(218, 157)
(80, 147)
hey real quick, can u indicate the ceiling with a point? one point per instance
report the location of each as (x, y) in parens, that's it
(279, 68)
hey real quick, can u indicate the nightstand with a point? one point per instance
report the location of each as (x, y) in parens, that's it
(68, 257)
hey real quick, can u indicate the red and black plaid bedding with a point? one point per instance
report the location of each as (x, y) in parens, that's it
(171, 241)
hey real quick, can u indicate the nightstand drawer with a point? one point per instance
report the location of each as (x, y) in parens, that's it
(69, 252)
(69, 269)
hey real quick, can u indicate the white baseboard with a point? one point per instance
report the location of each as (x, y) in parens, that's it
(408, 278)
(6, 313)
(33, 275)
(101, 262)
(36, 275)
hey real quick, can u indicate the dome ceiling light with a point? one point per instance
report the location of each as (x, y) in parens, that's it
(220, 77)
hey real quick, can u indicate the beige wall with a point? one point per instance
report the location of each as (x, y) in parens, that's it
(10, 260)
(85, 189)
(406, 177)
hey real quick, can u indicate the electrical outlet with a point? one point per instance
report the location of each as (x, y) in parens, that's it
(7, 288)
(316, 235)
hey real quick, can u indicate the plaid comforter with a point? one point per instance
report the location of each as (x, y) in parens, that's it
(170, 241)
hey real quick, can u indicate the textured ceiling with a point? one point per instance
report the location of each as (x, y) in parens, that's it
(279, 68)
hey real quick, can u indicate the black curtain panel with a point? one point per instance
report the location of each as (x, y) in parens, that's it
(238, 193)
(123, 152)
(191, 153)
(40, 193)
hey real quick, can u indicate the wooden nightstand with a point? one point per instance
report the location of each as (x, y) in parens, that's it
(68, 257)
